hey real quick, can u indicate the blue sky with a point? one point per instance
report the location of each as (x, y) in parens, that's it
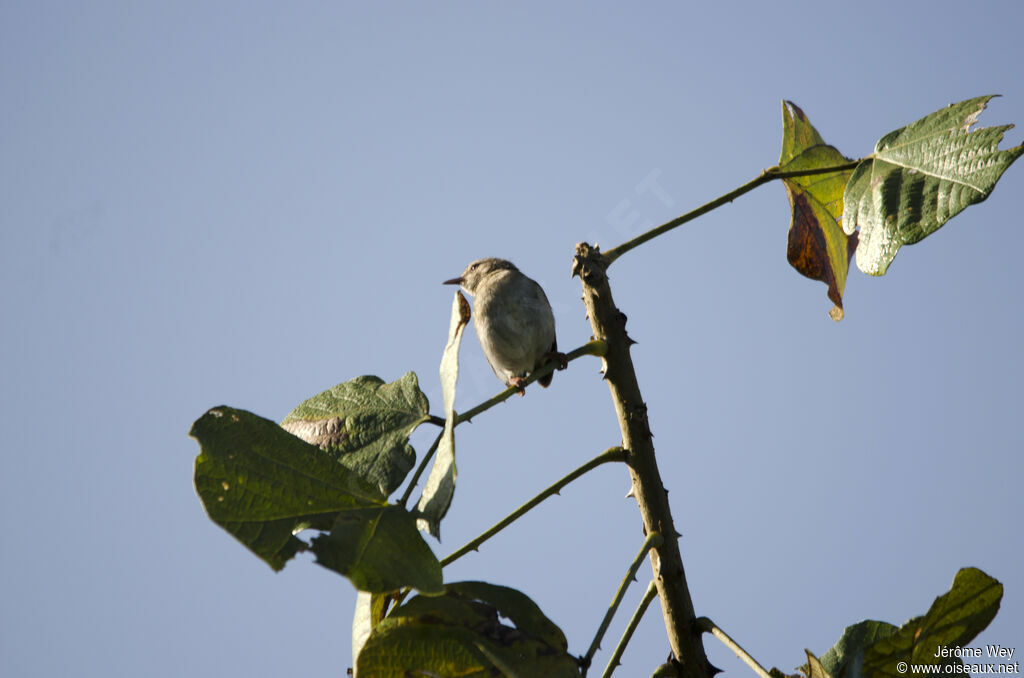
(247, 203)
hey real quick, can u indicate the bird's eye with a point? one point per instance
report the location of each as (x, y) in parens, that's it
(472, 267)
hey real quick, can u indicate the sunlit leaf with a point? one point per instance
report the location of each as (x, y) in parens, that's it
(953, 620)
(363, 621)
(440, 486)
(919, 177)
(365, 424)
(818, 248)
(813, 667)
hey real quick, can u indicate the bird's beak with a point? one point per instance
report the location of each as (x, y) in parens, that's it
(454, 281)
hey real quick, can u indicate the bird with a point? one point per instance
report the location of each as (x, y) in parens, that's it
(513, 320)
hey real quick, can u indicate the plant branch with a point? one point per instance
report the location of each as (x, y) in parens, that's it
(653, 540)
(634, 621)
(765, 176)
(608, 323)
(708, 626)
(420, 469)
(611, 454)
(595, 347)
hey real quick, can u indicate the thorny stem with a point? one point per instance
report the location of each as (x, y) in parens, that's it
(609, 323)
(595, 347)
(611, 454)
(708, 626)
(627, 635)
(765, 176)
(653, 541)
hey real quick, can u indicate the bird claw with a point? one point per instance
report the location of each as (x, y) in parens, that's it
(519, 383)
(560, 358)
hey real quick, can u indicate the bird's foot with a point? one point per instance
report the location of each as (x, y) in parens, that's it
(519, 383)
(560, 358)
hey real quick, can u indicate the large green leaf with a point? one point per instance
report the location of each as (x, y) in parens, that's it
(365, 424)
(263, 485)
(818, 248)
(873, 649)
(379, 549)
(953, 620)
(919, 177)
(460, 634)
(440, 487)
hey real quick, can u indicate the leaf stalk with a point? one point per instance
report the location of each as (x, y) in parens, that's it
(653, 540)
(611, 454)
(765, 176)
(627, 635)
(595, 347)
(708, 626)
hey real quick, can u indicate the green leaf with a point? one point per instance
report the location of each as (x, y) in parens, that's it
(379, 549)
(818, 248)
(460, 634)
(516, 606)
(846, 657)
(919, 177)
(440, 486)
(953, 620)
(263, 485)
(365, 424)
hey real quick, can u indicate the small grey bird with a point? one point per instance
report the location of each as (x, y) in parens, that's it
(513, 320)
